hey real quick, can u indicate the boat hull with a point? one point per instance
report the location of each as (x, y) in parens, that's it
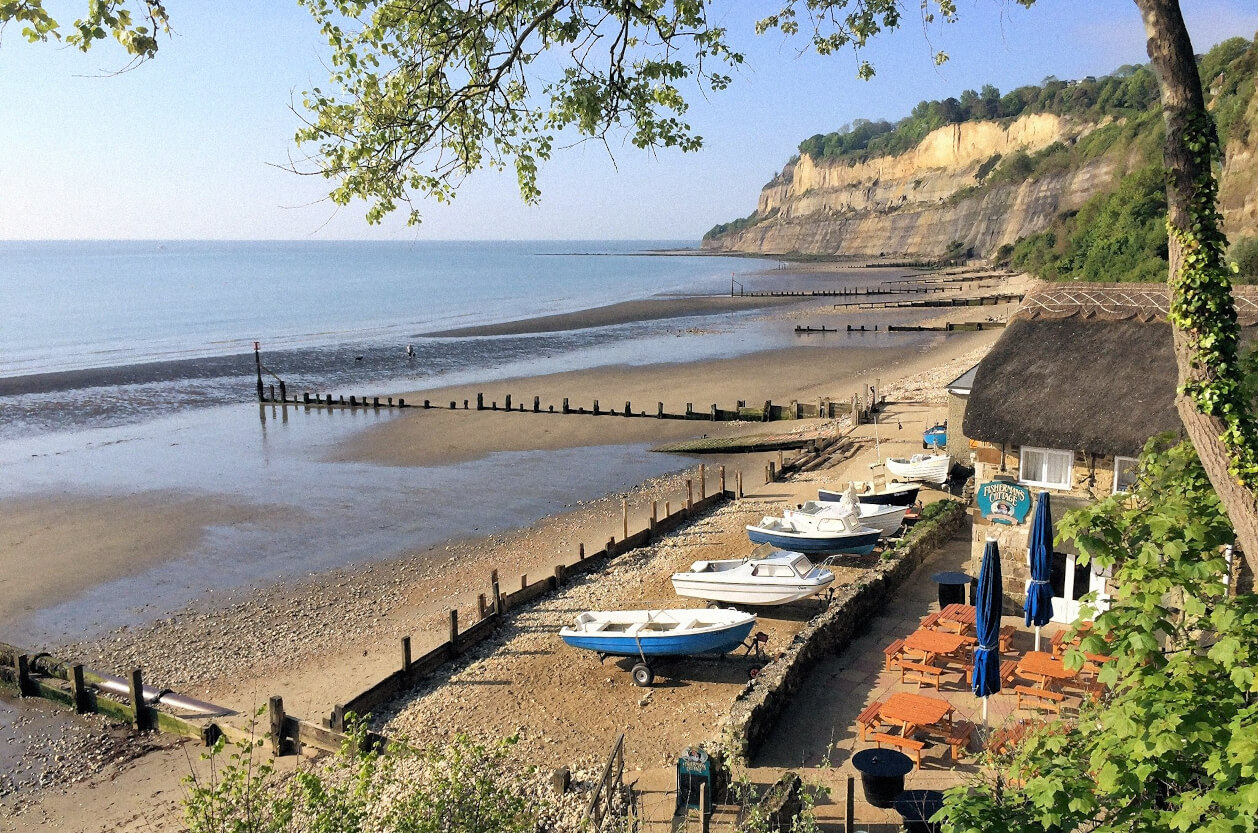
(932, 470)
(884, 518)
(859, 543)
(905, 496)
(713, 640)
(696, 586)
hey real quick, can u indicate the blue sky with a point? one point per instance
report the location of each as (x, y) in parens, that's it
(187, 145)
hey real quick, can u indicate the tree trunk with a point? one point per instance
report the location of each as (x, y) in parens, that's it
(1190, 176)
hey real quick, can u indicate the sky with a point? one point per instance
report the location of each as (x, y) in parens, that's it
(193, 144)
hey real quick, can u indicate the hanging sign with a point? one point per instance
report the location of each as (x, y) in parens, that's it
(1003, 502)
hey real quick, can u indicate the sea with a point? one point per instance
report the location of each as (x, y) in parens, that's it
(128, 368)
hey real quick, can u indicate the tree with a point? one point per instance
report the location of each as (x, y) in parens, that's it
(422, 94)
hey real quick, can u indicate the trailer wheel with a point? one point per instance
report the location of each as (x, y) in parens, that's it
(643, 676)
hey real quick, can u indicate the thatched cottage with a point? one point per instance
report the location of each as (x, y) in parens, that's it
(1081, 378)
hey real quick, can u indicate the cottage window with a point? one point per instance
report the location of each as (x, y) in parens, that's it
(1046, 467)
(1124, 473)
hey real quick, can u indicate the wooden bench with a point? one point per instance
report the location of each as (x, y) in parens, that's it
(869, 718)
(959, 738)
(892, 652)
(931, 620)
(913, 747)
(1006, 637)
(1040, 698)
(920, 673)
(1008, 669)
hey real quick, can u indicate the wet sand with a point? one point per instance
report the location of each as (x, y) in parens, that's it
(627, 312)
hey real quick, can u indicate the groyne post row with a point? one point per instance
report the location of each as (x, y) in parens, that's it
(40, 675)
(767, 697)
(975, 301)
(850, 291)
(824, 408)
(270, 396)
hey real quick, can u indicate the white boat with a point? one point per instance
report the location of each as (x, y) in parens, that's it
(775, 579)
(826, 535)
(885, 519)
(931, 468)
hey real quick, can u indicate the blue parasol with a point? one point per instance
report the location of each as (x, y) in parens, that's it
(988, 608)
(1039, 596)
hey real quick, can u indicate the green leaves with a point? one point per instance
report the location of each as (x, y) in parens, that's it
(105, 18)
(1173, 746)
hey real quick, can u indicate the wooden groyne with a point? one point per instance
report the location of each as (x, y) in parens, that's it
(769, 411)
(843, 292)
(976, 301)
(950, 327)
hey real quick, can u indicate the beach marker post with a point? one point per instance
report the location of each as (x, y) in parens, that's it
(257, 360)
(722, 474)
(624, 516)
(406, 653)
(703, 482)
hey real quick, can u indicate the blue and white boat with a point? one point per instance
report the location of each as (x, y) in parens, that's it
(827, 535)
(936, 436)
(886, 519)
(658, 633)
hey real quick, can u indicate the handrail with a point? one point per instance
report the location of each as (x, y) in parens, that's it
(596, 812)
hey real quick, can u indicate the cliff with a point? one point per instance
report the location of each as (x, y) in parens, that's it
(917, 203)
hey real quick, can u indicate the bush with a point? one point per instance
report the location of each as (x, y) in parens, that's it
(1244, 253)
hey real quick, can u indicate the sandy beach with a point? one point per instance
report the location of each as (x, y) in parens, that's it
(320, 639)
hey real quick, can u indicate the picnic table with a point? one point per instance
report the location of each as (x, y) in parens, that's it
(1044, 668)
(957, 618)
(916, 711)
(933, 643)
(1061, 643)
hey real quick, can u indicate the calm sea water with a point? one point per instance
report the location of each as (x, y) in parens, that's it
(126, 368)
(86, 304)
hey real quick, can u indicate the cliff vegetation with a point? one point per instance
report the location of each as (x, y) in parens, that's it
(1063, 179)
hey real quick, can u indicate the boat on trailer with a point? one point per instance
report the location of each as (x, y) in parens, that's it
(902, 494)
(936, 436)
(775, 579)
(658, 633)
(826, 535)
(930, 468)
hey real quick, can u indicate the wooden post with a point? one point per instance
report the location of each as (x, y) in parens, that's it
(722, 471)
(524, 581)
(565, 405)
(690, 494)
(655, 510)
(560, 572)
(493, 581)
(481, 606)
(703, 482)
(659, 413)
(581, 551)
(406, 653)
(82, 703)
(849, 815)
(595, 407)
(480, 401)
(24, 687)
(781, 461)
(137, 700)
(740, 483)
(767, 416)
(668, 512)
(508, 402)
(714, 412)
(276, 708)
(454, 629)
(703, 806)
(537, 404)
(624, 517)
(611, 546)
(337, 723)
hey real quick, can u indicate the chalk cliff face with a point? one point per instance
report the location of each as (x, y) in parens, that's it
(915, 204)
(1238, 184)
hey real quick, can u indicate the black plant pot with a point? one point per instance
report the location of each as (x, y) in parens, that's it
(882, 774)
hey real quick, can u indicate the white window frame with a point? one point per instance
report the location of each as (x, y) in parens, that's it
(1118, 467)
(1070, 468)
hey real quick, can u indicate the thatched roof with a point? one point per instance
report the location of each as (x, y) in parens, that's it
(1084, 367)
